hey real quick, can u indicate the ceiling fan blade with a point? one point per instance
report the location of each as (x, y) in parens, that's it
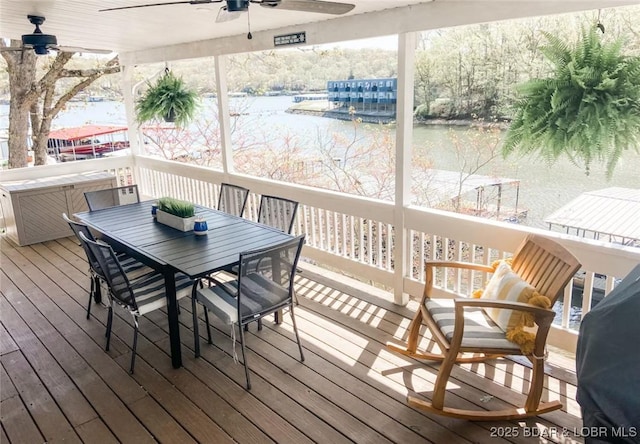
(84, 50)
(190, 2)
(319, 6)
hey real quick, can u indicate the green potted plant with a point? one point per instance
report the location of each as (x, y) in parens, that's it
(167, 99)
(588, 108)
(176, 213)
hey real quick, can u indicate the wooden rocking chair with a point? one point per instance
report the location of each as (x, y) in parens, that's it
(456, 327)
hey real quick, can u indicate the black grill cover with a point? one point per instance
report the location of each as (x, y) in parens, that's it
(608, 362)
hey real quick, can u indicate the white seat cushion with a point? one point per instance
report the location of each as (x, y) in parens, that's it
(220, 302)
(479, 330)
(150, 291)
(259, 295)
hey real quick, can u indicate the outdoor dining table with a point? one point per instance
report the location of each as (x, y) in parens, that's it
(132, 229)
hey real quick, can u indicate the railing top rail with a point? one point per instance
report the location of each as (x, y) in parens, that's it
(359, 206)
(59, 169)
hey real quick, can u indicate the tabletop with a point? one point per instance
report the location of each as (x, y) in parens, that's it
(133, 227)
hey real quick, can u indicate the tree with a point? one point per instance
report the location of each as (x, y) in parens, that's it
(38, 101)
(424, 85)
(21, 67)
(474, 152)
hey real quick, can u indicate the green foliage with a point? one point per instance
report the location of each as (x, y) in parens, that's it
(421, 112)
(168, 99)
(176, 207)
(588, 109)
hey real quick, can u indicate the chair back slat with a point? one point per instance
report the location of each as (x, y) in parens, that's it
(112, 197)
(266, 278)
(546, 265)
(232, 199)
(114, 274)
(78, 228)
(277, 212)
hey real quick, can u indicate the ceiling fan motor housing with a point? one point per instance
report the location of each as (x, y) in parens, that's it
(237, 5)
(38, 41)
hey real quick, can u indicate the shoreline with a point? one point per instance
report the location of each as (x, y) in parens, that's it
(390, 120)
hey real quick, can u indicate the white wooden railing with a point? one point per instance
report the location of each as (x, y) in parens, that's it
(356, 234)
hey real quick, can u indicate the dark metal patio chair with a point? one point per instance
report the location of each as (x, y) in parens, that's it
(280, 213)
(277, 212)
(258, 291)
(132, 267)
(232, 199)
(139, 296)
(112, 197)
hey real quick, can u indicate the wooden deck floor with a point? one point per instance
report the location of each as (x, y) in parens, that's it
(58, 383)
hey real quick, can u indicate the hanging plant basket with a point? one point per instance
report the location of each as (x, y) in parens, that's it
(171, 116)
(167, 99)
(588, 109)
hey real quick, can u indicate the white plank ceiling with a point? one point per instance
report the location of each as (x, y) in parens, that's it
(170, 31)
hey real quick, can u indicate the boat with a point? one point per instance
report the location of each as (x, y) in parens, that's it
(96, 99)
(87, 142)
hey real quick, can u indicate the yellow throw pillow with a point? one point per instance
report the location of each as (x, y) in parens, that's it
(506, 285)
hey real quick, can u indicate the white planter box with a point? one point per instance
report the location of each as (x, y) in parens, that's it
(179, 223)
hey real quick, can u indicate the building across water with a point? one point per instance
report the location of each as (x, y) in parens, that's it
(372, 100)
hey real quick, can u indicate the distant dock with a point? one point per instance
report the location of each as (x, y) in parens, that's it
(321, 108)
(304, 97)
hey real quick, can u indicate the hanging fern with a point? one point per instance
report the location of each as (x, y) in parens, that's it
(167, 99)
(589, 109)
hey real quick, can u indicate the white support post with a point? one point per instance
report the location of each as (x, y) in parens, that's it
(223, 114)
(133, 133)
(404, 141)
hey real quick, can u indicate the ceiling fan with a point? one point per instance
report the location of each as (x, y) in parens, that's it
(41, 43)
(237, 6)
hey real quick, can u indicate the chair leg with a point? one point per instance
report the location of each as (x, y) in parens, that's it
(97, 293)
(440, 386)
(91, 293)
(295, 297)
(414, 332)
(244, 356)
(109, 322)
(295, 330)
(537, 383)
(413, 338)
(196, 332)
(206, 319)
(135, 343)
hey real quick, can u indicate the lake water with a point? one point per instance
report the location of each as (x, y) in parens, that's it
(543, 188)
